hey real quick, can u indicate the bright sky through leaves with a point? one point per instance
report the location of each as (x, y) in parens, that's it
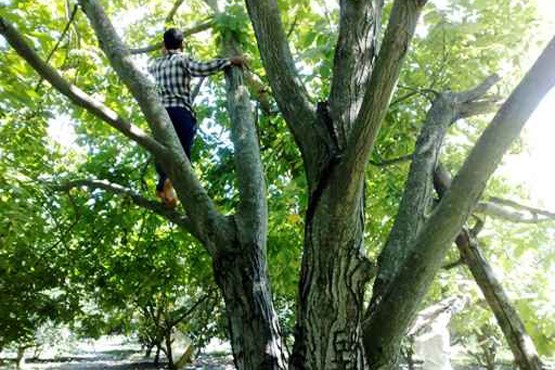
(531, 168)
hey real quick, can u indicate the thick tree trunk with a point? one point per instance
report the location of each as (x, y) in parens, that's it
(334, 273)
(253, 327)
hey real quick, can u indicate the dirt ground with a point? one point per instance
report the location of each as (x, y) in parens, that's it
(111, 353)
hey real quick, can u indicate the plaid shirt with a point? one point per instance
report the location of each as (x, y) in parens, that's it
(173, 73)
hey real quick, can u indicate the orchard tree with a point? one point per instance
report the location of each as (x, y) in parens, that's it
(336, 121)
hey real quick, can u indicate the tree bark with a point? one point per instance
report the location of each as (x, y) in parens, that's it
(522, 346)
(254, 331)
(334, 273)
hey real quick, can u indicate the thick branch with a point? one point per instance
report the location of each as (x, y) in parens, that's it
(444, 224)
(378, 93)
(416, 202)
(188, 32)
(252, 211)
(205, 218)
(289, 92)
(522, 346)
(78, 96)
(356, 47)
(415, 205)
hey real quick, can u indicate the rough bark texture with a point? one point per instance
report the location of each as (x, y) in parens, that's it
(415, 206)
(336, 139)
(522, 346)
(243, 276)
(254, 330)
(334, 273)
(357, 46)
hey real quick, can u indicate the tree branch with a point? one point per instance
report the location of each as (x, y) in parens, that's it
(252, 210)
(398, 36)
(357, 44)
(76, 95)
(183, 312)
(416, 203)
(173, 11)
(518, 213)
(188, 32)
(156, 207)
(444, 224)
(205, 218)
(289, 92)
(521, 344)
(392, 161)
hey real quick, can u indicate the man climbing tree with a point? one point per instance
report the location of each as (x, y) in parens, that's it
(173, 72)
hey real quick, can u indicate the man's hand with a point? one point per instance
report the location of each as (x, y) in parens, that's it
(239, 60)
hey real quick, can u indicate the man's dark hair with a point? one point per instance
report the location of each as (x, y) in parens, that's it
(173, 39)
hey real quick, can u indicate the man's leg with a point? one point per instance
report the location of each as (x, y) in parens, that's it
(161, 177)
(184, 124)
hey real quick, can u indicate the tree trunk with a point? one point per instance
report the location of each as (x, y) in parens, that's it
(253, 327)
(169, 355)
(334, 272)
(157, 356)
(20, 359)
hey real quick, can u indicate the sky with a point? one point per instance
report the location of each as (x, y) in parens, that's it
(533, 168)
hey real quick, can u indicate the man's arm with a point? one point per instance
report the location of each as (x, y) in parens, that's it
(200, 69)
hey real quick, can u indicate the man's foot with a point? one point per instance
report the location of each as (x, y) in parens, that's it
(169, 197)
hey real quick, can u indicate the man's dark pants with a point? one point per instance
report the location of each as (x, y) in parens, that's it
(185, 126)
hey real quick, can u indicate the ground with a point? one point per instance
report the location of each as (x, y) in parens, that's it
(112, 353)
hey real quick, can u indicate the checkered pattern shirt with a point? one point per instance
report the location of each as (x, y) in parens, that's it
(173, 73)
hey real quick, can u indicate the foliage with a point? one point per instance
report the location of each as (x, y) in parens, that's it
(116, 259)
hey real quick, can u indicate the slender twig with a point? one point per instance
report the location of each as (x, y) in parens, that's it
(62, 36)
(389, 162)
(188, 32)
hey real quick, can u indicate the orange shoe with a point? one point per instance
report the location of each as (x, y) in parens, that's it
(169, 197)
